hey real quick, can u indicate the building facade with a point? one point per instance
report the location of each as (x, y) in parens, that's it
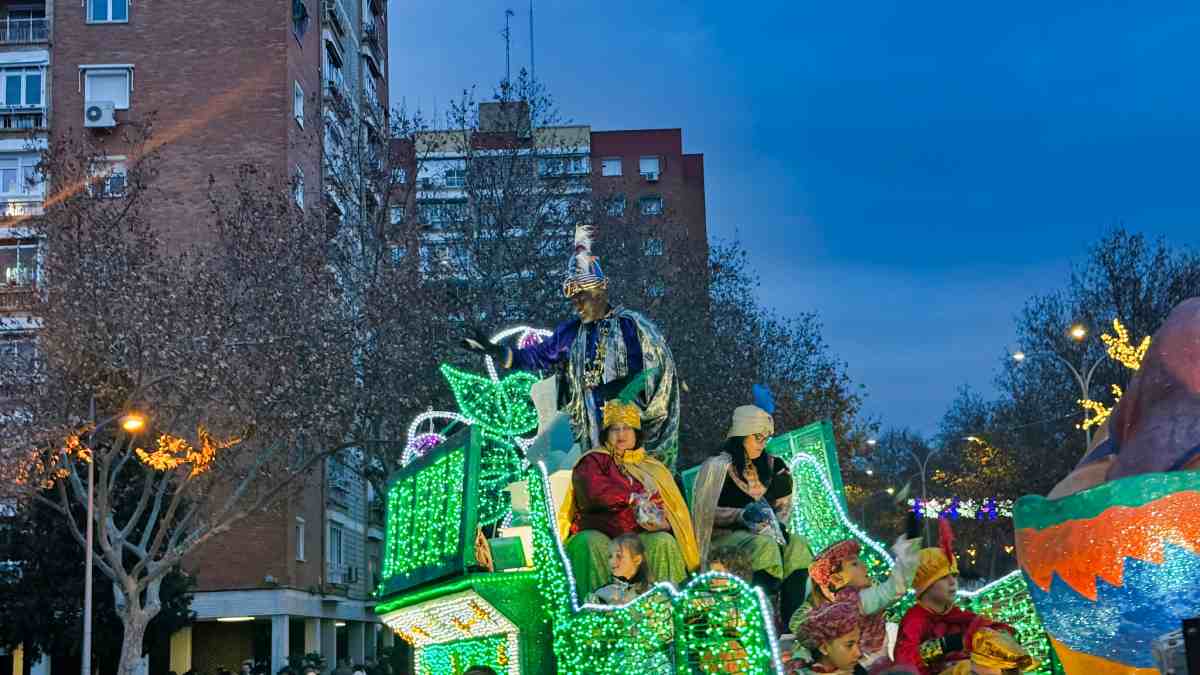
(288, 87)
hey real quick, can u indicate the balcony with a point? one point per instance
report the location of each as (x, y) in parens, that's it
(14, 298)
(373, 40)
(341, 575)
(22, 118)
(24, 31)
(337, 16)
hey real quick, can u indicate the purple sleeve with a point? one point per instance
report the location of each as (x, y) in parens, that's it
(633, 346)
(551, 350)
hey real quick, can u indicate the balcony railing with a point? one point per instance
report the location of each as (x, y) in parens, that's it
(371, 38)
(342, 575)
(24, 31)
(337, 13)
(22, 118)
(16, 298)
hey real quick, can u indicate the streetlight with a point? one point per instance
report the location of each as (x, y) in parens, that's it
(891, 491)
(1083, 374)
(132, 423)
(924, 465)
(870, 472)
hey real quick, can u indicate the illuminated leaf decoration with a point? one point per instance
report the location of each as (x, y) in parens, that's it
(502, 407)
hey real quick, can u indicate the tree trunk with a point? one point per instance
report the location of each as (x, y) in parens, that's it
(131, 645)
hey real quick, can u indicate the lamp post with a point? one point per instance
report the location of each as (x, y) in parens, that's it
(131, 423)
(1083, 374)
(923, 464)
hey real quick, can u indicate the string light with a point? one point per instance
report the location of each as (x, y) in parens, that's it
(1120, 348)
(955, 507)
(425, 519)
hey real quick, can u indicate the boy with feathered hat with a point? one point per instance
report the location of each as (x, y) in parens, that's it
(937, 637)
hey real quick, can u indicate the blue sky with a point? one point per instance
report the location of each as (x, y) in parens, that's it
(911, 172)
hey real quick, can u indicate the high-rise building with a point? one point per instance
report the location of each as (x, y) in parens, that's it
(287, 87)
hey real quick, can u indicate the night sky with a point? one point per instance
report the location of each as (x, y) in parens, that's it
(911, 172)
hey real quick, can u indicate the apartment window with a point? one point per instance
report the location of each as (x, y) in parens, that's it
(299, 539)
(398, 251)
(552, 166)
(652, 205)
(108, 84)
(400, 176)
(298, 103)
(610, 166)
(18, 349)
(23, 87)
(298, 188)
(578, 165)
(19, 176)
(18, 264)
(111, 178)
(616, 205)
(335, 545)
(299, 18)
(456, 178)
(397, 215)
(653, 247)
(649, 166)
(108, 11)
(443, 213)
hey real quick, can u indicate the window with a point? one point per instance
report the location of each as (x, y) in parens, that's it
(19, 177)
(111, 178)
(397, 215)
(108, 11)
(559, 166)
(298, 188)
(399, 251)
(299, 539)
(610, 166)
(18, 264)
(456, 178)
(652, 206)
(23, 87)
(335, 545)
(400, 176)
(577, 165)
(299, 17)
(443, 213)
(616, 205)
(18, 349)
(649, 166)
(298, 103)
(653, 247)
(108, 84)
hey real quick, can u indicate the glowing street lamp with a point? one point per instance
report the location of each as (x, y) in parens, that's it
(1078, 332)
(133, 422)
(891, 491)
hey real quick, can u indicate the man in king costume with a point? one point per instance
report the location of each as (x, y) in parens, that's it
(604, 348)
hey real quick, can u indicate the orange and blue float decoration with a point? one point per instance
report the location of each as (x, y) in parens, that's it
(1112, 568)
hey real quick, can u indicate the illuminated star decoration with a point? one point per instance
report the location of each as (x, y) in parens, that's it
(1121, 350)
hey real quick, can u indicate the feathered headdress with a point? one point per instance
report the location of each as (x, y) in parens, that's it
(624, 408)
(583, 268)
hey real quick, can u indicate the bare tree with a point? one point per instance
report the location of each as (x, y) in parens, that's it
(229, 355)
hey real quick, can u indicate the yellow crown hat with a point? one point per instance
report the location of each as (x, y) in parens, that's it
(623, 409)
(936, 562)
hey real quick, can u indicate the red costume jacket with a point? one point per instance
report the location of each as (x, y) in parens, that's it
(920, 625)
(602, 494)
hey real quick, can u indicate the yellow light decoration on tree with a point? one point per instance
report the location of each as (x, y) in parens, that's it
(173, 452)
(1122, 350)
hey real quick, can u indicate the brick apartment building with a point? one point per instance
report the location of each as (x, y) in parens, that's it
(639, 175)
(228, 83)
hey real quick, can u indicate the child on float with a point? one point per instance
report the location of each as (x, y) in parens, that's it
(937, 637)
(838, 574)
(627, 562)
(831, 635)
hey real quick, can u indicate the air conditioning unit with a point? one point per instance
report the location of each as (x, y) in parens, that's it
(651, 176)
(99, 114)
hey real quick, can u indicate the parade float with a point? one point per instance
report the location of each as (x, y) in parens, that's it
(1112, 555)
(510, 601)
